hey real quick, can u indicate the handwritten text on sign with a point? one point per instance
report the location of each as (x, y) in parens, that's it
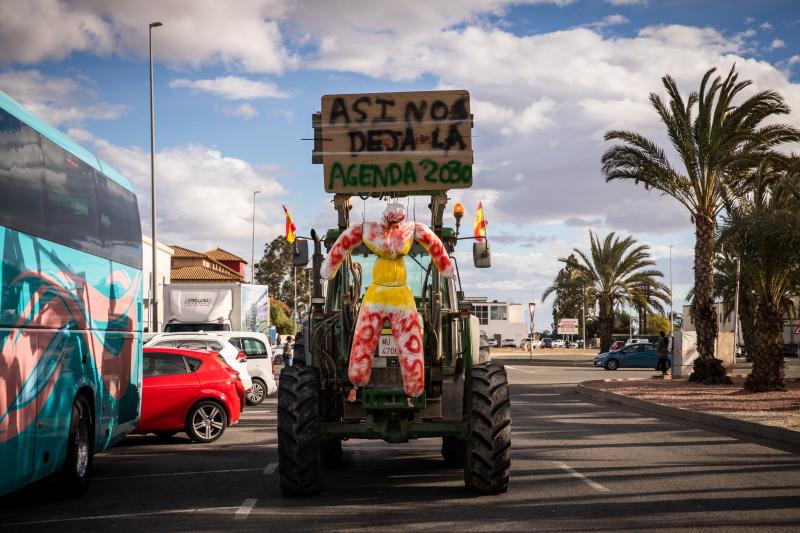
(396, 142)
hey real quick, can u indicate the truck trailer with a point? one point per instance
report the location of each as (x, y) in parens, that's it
(216, 307)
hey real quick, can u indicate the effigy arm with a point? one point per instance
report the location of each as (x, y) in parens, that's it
(434, 246)
(347, 242)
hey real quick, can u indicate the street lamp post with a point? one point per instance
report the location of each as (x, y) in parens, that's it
(583, 322)
(671, 312)
(253, 242)
(736, 310)
(154, 301)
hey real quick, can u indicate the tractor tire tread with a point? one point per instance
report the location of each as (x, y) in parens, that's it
(487, 464)
(299, 454)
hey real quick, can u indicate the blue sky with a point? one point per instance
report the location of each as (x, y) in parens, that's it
(236, 84)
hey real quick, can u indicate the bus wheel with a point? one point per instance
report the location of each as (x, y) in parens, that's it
(73, 479)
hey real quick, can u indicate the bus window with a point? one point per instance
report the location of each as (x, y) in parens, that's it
(21, 177)
(70, 198)
(119, 223)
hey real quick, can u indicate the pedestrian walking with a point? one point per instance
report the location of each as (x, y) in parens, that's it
(662, 348)
(288, 351)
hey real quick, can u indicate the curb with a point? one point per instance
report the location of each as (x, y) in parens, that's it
(754, 429)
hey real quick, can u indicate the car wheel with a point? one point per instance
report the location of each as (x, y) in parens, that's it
(206, 422)
(73, 479)
(257, 392)
(164, 435)
(612, 364)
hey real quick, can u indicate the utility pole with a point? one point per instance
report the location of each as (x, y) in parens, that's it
(253, 242)
(154, 301)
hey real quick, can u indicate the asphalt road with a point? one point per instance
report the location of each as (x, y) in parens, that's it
(577, 466)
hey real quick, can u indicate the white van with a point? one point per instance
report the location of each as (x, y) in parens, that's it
(259, 361)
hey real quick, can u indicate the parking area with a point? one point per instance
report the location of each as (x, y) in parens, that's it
(573, 461)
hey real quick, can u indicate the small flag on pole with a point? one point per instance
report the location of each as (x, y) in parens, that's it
(290, 227)
(480, 224)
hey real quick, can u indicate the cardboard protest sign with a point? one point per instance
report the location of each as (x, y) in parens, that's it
(396, 142)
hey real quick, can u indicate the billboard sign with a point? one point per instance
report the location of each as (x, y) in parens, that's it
(568, 326)
(396, 142)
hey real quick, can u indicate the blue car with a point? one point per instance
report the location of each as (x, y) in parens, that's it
(631, 356)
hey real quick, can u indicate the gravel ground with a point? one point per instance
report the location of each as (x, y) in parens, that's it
(780, 409)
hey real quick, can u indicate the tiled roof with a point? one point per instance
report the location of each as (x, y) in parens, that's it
(199, 273)
(180, 251)
(218, 254)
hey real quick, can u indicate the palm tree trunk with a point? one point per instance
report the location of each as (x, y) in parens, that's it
(707, 369)
(606, 324)
(768, 367)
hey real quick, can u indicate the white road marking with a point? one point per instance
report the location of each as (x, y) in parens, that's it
(193, 473)
(270, 469)
(522, 370)
(574, 473)
(122, 515)
(245, 509)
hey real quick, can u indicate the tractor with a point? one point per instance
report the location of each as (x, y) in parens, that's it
(465, 402)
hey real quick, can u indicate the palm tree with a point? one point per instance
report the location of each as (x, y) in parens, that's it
(716, 148)
(762, 228)
(615, 271)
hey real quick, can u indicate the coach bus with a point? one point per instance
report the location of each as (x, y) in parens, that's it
(70, 305)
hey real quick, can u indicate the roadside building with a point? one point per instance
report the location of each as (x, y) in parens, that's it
(216, 265)
(499, 320)
(163, 266)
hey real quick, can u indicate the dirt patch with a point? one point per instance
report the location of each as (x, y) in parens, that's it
(780, 409)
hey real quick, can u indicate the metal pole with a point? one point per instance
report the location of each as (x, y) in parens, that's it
(253, 243)
(671, 314)
(154, 302)
(736, 310)
(583, 310)
(295, 295)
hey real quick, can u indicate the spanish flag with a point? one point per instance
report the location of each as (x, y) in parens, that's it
(290, 227)
(480, 224)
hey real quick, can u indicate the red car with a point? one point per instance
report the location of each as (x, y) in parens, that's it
(188, 390)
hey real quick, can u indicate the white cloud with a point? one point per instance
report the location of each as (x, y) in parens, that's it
(610, 20)
(766, 26)
(232, 87)
(795, 59)
(204, 197)
(627, 2)
(60, 101)
(245, 111)
(777, 43)
(749, 20)
(243, 35)
(80, 135)
(286, 114)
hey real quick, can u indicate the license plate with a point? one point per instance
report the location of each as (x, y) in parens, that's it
(387, 347)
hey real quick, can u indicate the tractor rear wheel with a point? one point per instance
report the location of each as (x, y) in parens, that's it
(487, 459)
(299, 459)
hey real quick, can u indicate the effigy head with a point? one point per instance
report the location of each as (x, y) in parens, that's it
(394, 214)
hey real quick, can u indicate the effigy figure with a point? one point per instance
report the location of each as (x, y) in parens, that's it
(388, 298)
